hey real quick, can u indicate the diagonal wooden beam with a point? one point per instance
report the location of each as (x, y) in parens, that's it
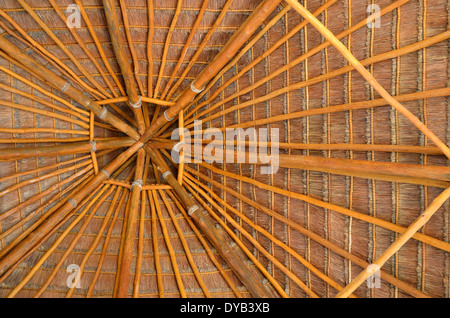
(54, 80)
(229, 50)
(33, 238)
(220, 240)
(125, 67)
(367, 75)
(398, 243)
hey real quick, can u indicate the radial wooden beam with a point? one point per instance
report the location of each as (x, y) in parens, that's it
(438, 176)
(367, 75)
(27, 243)
(323, 77)
(224, 56)
(125, 67)
(219, 239)
(319, 239)
(59, 150)
(130, 228)
(398, 243)
(58, 82)
(100, 90)
(186, 46)
(329, 206)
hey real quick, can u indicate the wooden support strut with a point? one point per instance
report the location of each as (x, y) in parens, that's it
(28, 242)
(438, 176)
(368, 76)
(130, 227)
(423, 218)
(222, 58)
(58, 82)
(59, 150)
(113, 26)
(219, 239)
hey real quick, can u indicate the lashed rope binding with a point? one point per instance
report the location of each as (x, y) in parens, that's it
(136, 183)
(195, 90)
(106, 173)
(138, 104)
(103, 113)
(65, 87)
(93, 146)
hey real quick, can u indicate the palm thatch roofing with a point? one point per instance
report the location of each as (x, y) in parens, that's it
(92, 203)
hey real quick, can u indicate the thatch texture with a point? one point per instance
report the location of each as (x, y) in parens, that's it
(303, 231)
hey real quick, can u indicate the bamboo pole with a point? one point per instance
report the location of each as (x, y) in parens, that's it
(91, 141)
(332, 207)
(438, 176)
(46, 235)
(398, 243)
(122, 240)
(368, 76)
(227, 53)
(98, 45)
(319, 239)
(181, 153)
(41, 169)
(186, 46)
(130, 228)
(72, 110)
(199, 50)
(30, 45)
(44, 112)
(144, 187)
(214, 198)
(106, 242)
(185, 245)
(100, 91)
(374, 59)
(159, 280)
(84, 174)
(59, 150)
(58, 241)
(247, 67)
(166, 46)
(94, 243)
(58, 82)
(74, 242)
(151, 31)
(339, 108)
(204, 222)
(30, 181)
(115, 35)
(258, 246)
(172, 255)
(126, 25)
(84, 47)
(144, 99)
(304, 56)
(28, 242)
(137, 276)
(51, 57)
(205, 246)
(429, 150)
